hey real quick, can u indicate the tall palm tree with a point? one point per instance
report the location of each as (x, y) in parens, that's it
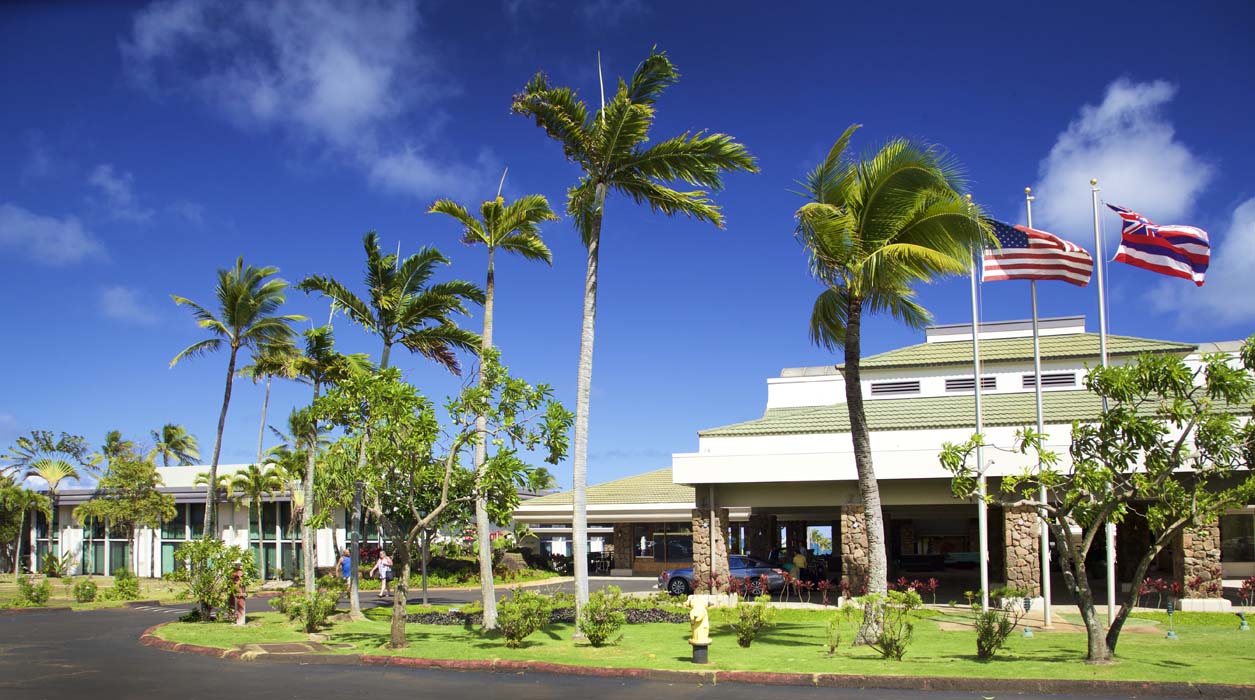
(53, 470)
(513, 228)
(223, 481)
(113, 447)
(255, 483)
(873, 229)
(320, 365)
(404, 309)
(248, 317)
(23, 501)
(610, 149)
(173, 440)
(269, 361)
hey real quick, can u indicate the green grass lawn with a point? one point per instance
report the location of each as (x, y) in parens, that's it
(63, 596)
(1205, 653)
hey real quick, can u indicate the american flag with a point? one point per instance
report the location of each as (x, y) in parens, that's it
(1029, 254)
(1176, 251)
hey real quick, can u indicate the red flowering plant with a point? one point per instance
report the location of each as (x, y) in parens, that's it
(1247, 591)
(788, 585)
(823, 587)
(930, 586)
(1157, 586)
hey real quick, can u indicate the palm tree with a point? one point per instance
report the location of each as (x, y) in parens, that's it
(874, 228)
(53, 470)
(514, 229)
(24, 500)
(402, 307)
(271, 360)
(255, 483)
(113, 447)
(173, 440)
(223, 481)
(610, 149)
(248, 318)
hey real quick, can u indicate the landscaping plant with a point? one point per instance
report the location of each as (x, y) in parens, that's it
(602, 617)
(846, 615)
(994, 625)
(31, 595)
(521, 615)
(748, 619)
(208, 575)
(125, 585)
(85, 591)
(896, 610)
(310, 611)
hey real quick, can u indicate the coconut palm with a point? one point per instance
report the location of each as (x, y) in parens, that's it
(248, 317)
(269, 361)
(223, 481)
(874, 228)
(255, 483)
(513, 228)
(610, 149)
(113, 447)
(403, 308)
(173, 441)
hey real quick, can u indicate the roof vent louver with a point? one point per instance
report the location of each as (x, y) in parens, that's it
(961, 384)
(895, 388)
(1056, 379)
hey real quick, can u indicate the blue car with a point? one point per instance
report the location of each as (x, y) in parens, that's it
(680, 581)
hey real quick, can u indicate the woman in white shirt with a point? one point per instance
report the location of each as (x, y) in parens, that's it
(383, 566)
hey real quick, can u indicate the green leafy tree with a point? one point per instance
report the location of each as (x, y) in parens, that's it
(249, 300)
(174, 442)
(129, 495)
(257, 482)
(874, 228)
(271, 360)
(1176, 438)
(610, 148)
(415, 474)
(512, 228)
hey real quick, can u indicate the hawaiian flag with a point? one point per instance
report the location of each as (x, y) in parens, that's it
(1029, 254)
(1176, 251)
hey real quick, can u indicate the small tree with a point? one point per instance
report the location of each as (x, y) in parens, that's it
(128, 495)
(415, 473)
(1173, 437)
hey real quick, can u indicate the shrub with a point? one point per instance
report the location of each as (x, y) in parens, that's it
(845, 616)
(895, 610)
(210, 565)
(993, 626)
(332, 584)
(311, 611)
(521, 615)
(54, 566)
(125, 585)
(85, 591)
(31, 595)
(602, 617)
(748, 619)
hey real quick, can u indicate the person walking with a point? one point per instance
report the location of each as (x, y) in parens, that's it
(383, 566)
(346, 564)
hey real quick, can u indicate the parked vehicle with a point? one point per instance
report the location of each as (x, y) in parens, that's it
(680, 581)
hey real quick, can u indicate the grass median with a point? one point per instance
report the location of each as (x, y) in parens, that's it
(1205, 653)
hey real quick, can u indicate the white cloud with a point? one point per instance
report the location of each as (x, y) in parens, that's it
(1127, 144)
(409, 171)
(1226, 297)
(124, 304)
(340, 76)
(191, 212)
(118, 189)
(47, 239)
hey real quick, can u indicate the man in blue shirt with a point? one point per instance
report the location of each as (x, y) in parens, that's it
(346, 565)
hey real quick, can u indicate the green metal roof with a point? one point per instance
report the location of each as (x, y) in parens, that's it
(921, 413)
(1053, 347)
(647, 488)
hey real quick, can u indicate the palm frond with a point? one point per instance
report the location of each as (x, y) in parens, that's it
(197, 349)
(438, 344)
(828, 318)
(660, 198)
(560, 113)
(697, 159)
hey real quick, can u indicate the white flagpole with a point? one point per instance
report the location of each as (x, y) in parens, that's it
(1041, 429)
(982, 508)
(1099, 260)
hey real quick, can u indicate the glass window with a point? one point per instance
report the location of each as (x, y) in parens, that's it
(268, 521)
(176, 527)
(679, 542)
(119, 555)
(1237, 538)
(196, 516)
(643, 541)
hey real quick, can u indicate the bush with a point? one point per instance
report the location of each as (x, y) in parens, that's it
(994, 625)
(125, 585)
(31, 595)
(748, 619)
(332, 584)
(310, 611)
(210, 565)
(846, 616)
(521, 615)
(895, 610)
(85, 591)
(54, 566)
(602, 616)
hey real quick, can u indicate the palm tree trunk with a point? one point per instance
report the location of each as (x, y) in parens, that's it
(869, 489)
(482, 525)
(17, 545)
(579, 462)
(211, 497)
(261, 432)
(307, 533)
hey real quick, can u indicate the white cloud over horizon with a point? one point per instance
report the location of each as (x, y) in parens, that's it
(336, 76)
(118, 190)
(47, 239)
(1126, 142)
(122, 303)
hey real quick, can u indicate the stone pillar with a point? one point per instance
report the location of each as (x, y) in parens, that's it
(854, 559)
(1022, 535)
(1196, 562)
(758, 535)
(701, 550)
(624, 548)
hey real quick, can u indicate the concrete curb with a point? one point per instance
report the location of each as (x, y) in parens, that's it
(822, 680)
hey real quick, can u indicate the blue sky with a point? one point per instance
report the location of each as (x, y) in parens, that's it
(144, 146)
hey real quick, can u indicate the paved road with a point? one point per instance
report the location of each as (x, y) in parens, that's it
(95, 656)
